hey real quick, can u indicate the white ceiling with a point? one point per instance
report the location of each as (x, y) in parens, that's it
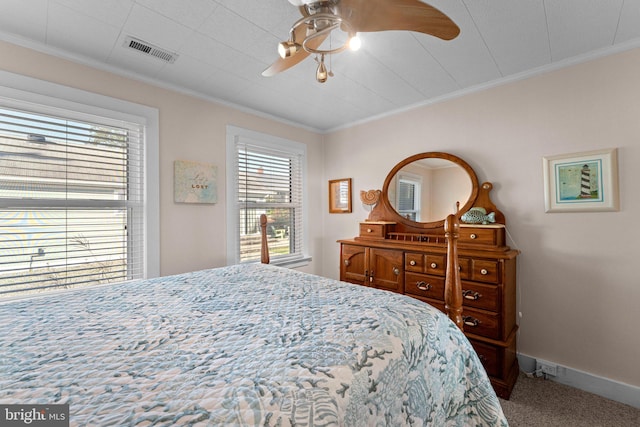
(224, 45)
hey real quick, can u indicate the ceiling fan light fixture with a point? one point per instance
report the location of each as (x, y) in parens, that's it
(287, 49)
(321, 17)
(321, 73)
(355, 42)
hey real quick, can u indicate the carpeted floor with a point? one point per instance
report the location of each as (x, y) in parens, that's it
(538, 402)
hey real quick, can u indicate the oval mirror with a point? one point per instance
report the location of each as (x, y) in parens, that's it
(427, 187)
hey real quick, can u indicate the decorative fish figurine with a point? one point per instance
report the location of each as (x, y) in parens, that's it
(478, 216)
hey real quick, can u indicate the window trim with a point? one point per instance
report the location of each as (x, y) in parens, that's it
(17, 90)
(233, 134)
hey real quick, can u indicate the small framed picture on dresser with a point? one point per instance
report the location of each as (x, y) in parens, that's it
(581, 182)
(340, 195)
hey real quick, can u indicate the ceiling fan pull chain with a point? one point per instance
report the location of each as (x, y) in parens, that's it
(330, 74)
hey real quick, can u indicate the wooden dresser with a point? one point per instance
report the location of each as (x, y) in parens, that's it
(400, 257)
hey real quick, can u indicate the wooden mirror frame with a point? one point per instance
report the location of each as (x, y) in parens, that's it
(384, 211)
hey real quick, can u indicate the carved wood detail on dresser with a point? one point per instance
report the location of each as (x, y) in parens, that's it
(400, 255)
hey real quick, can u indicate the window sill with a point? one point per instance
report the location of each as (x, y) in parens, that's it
(292, 263)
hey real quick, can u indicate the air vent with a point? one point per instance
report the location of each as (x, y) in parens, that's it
(151, 50)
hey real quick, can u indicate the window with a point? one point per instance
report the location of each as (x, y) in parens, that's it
(72, 198)
(408, 197)
(265, 176)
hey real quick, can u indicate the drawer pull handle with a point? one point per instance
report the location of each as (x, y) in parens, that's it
(434, 265)
(369, 230)
(423, 286)
(470, 321)
(412, 262)
(396, 271)
(471, 295)
(347, 262)
(474, 236)
(484, 271)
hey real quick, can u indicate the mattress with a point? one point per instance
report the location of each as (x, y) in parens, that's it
(243, 345)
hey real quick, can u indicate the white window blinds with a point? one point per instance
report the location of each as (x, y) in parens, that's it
(71, 200)
(408, 204)
(269, 181)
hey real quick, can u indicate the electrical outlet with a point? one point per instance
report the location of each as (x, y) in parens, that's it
(547, 368)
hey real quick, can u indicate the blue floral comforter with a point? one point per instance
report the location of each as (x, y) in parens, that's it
(244, 345)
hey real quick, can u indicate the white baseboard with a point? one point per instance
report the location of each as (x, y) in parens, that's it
(605, 387)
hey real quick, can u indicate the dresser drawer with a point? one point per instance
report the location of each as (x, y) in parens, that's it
(424, 286)
(425, 263)
(482, 296)
(481, 236)
(464, 267)
(377, 230)
(435, 264)
(414, 262)
(483, 323)
(483, 270)
(372, 231)
(489, 356)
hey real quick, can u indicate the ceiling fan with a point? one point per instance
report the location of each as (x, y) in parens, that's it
(321, 17)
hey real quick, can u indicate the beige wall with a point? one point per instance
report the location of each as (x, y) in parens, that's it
(579, 285)
(192, 236)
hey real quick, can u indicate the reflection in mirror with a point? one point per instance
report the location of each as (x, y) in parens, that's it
(429, 189)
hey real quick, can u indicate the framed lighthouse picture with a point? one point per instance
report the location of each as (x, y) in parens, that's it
(581, 182)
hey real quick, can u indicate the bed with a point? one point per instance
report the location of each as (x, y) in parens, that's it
(242, 345)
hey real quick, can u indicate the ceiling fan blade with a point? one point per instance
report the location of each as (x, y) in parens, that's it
(283, 64)
(408, 15)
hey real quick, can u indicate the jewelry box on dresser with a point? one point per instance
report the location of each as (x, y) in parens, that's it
(402, 248)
